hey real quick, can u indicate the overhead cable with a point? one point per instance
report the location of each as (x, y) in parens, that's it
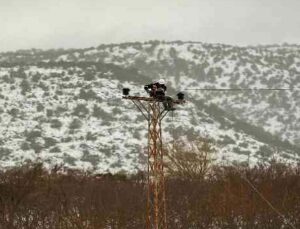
(240, 89)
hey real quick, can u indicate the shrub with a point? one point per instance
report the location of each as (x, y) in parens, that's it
(75, 124)
(49, 113)
(55, 149)
(60, 110)
(98, 112)
(93, 159)
(91, 137)
(25, 86)
(14, 112)
(40, 107)
(89, 76)
(32, 197)
(36, 77)
(4, 152)
(81, 110)
(49, 142)
(25, 146)
(192, 161)
(20, 73)
(55, 123)
(32, 135)
(87, 94)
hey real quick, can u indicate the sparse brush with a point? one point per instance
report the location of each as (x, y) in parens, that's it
(32, 197)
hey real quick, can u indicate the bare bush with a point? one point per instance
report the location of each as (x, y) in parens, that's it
(33, 198)
(190, 160)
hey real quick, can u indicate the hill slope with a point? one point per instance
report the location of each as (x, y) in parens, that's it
(64, 106)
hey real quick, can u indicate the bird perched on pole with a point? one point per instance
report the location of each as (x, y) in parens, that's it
(157, 90)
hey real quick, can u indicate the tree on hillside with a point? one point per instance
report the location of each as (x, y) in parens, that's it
(81, 110)
(25, 86)
(190, 160)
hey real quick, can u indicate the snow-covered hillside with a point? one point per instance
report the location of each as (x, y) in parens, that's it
(65, 106)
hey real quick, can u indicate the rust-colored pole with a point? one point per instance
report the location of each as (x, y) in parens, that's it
(156, 189)
(156, 199)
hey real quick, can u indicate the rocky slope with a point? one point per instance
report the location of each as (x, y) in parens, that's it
(64, 106)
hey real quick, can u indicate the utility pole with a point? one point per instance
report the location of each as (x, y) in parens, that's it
(154, 112)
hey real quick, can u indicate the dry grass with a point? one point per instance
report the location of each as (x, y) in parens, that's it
(31, 197)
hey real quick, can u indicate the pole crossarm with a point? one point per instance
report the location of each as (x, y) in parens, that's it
(150, 99)
(140, 98)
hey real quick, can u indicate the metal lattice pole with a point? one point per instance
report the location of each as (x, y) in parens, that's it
(156, 212)
(153, 112)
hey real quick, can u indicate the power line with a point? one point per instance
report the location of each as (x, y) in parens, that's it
(239, 89)
(285, 220)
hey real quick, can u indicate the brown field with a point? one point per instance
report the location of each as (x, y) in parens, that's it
(31, 197)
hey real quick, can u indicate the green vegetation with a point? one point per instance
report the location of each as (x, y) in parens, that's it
(81, 110)
(75, 124)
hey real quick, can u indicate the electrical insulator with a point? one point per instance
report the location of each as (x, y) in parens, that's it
(180, 96)
(126, 91)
